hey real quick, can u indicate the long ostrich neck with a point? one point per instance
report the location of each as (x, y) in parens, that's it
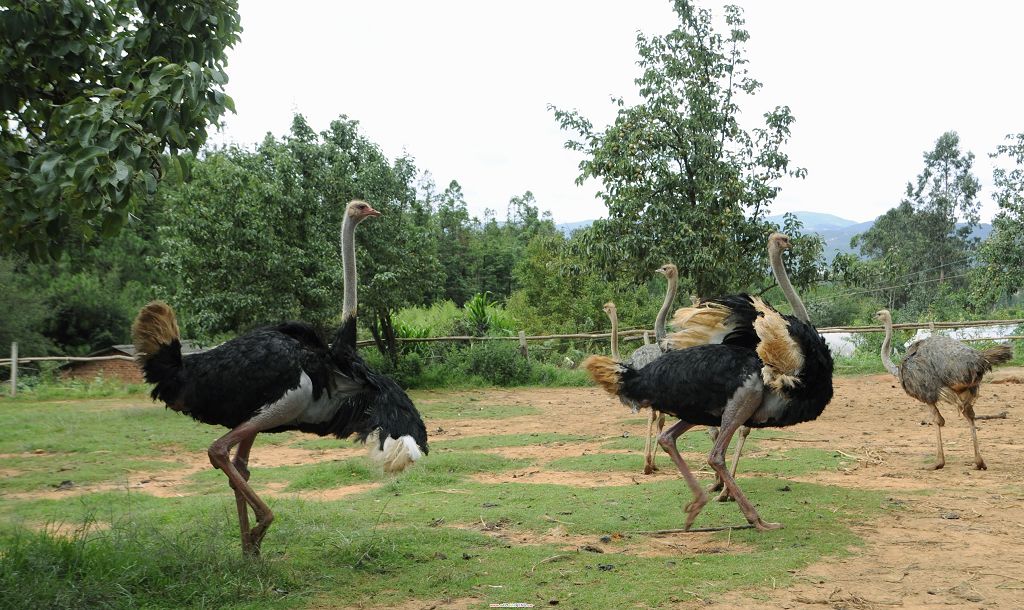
(614, 317)
(670, 297)
(887, 351)
(348, 263)
(787, 288)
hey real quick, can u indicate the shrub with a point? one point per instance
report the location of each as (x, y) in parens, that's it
(498, 362)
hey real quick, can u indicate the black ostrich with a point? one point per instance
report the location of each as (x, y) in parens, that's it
(770, 370)
(691, 335)
(279, 378)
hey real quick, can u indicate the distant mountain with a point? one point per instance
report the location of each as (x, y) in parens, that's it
(568, 227)
(836, 231)
(816, 221)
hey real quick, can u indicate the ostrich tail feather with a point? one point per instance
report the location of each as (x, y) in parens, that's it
(999, 354)
(394, 454)
(605, 372)
(154, 328)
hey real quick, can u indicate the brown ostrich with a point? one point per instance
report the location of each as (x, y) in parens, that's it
(943, 369)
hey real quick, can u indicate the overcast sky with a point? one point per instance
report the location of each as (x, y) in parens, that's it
(463, 87)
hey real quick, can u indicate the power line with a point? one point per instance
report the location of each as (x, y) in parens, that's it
(880, 289)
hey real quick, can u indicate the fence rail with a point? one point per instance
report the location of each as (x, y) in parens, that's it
(635, 334)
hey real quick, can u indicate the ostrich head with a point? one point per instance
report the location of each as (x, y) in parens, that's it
(359, 210)
(884, 316)
(777, 242)
(668, 270)
(609, 308)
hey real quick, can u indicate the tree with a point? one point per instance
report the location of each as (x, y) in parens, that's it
(455, 235)
(23, 312)
(93, 94)
(918, 246)
(947, 191)
(253, 237)
(682, 178)
(1003, 252)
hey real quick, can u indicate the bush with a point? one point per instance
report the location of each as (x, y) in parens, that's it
(498, 362)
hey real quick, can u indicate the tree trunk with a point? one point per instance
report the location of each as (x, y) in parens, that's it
(383, 331)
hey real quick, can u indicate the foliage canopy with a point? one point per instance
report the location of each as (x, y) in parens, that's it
(93, 94)
(682, 178)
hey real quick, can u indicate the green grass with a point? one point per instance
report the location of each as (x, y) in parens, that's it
(859, 364)
(508, 440)
(695, 440)
(172, 554)
(471, 409)
(415, 536)
(787, 463)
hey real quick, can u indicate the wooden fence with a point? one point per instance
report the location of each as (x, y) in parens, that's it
(635, 334)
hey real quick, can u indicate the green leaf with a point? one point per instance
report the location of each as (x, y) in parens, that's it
(150, 181)
(49, 164)
(177, 135)
(112, 222)
(121, 171)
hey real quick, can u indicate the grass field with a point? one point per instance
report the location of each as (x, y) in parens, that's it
(83, 525)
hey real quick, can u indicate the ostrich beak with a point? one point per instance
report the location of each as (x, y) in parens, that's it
(371, 212)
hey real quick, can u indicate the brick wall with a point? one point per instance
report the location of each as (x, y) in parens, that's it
(111, 369)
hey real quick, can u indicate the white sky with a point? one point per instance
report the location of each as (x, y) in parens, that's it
(463, 86)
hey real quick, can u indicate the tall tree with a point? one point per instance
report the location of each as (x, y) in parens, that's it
(682, 178)
(945, 192)
(918, 246)
(455, 235)
(93, 94)
(254, 236)
(1003, 252)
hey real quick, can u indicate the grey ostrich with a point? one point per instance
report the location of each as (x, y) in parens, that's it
(646, 354)
(641, 357)
(777, 242)
(943, 369)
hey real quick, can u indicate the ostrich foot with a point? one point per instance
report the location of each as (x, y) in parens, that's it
(765, 526)
(650, 468)
(693, 509)
(980, 465)
(935, 466)
(725, 496)
(718, 485)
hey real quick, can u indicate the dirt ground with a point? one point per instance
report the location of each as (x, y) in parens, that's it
(960, 544)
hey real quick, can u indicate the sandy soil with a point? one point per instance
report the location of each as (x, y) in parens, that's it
(959, 545)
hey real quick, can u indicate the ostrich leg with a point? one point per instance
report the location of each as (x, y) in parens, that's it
(744, 433)
(667, 440)
(968, 412)
(218, 453)
(241, 463)
(738, 410)
(649, 448)
(713, 432)
(940, 457)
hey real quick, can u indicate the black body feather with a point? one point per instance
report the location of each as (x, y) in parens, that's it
(229, 384)
(692, 384)
(695, 383)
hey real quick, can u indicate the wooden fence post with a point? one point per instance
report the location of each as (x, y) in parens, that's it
(522, 345)
(14, 369)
